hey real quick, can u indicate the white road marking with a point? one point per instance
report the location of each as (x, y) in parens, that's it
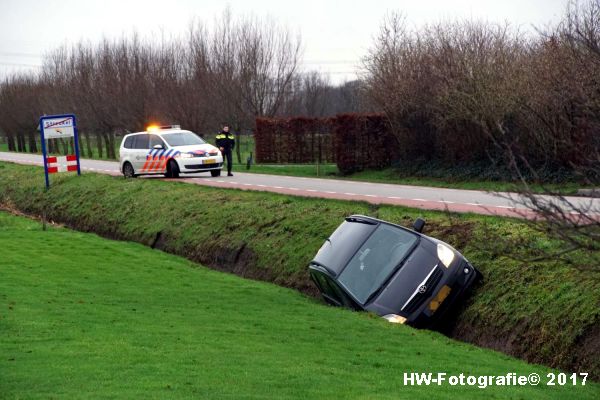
(106, 167)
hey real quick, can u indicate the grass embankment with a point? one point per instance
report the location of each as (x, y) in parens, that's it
(545, 311)
(86, 317)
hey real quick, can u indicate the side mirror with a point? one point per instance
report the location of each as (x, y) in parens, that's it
(419, 224)
(158, 147)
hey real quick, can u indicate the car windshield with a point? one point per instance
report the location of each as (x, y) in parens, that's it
(377, 258)
(182, 139)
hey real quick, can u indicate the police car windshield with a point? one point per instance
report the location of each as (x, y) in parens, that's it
(182, 139)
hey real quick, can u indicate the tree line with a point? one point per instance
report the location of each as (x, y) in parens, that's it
(527, 104)
(464, 92)
(243, 68)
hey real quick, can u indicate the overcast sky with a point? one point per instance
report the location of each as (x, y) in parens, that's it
(335, 33)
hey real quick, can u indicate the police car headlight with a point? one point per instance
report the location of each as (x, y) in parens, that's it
(185, 155)
(445, 254)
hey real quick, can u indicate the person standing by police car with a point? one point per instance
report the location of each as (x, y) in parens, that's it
(226, 143)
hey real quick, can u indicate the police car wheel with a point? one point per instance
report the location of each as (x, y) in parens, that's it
(172, 169)
(128, 171)
(215, 173)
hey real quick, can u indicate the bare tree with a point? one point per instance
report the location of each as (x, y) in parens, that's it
(251, 64)
(567, 110)
(468, 92)
(20, 108)
(238, 70)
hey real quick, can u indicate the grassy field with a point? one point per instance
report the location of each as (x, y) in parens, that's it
(544, 311)
(86, 317)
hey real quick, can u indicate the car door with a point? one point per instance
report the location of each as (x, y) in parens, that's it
(141, 149)
(331, 292)
(158, 155)
(126, 150)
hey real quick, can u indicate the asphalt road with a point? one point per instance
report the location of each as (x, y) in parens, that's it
(480, 202)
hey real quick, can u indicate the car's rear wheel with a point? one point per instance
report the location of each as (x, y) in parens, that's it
(215, 172)
(172, 169)
(128, 171)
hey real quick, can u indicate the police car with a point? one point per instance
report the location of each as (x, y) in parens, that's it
(167, 150)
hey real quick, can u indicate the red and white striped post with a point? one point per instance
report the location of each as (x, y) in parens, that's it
(52, 164)
(55, 164)
(72, 163)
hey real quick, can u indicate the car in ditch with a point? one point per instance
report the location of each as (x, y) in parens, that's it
(400, 274)
(169, 151)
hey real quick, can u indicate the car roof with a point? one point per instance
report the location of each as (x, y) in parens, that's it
(334, 261)
(158, 132)
(343, 243)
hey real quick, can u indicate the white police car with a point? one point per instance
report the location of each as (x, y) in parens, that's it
(167, 150)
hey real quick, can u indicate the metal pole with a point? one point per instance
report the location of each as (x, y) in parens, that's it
(76, 140)
(44, 153)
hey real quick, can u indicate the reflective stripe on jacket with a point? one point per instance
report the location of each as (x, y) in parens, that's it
(226, 140)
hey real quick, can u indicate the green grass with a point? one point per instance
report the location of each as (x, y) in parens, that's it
(305, 170)
(391, 175)
(541, 311)
(394, 176)
(85, 317)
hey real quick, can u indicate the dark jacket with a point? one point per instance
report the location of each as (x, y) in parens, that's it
(226, 140)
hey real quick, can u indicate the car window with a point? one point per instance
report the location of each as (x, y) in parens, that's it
(376, 259)
(128, 142)
(154, 140)
(333, 291)
(342, 244)
(327, 287)
(182, 139)
(141, 142)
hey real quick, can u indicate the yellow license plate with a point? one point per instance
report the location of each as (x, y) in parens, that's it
(439, 298)
(210, 161)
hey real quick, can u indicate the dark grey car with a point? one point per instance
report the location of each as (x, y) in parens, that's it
(400, 274)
